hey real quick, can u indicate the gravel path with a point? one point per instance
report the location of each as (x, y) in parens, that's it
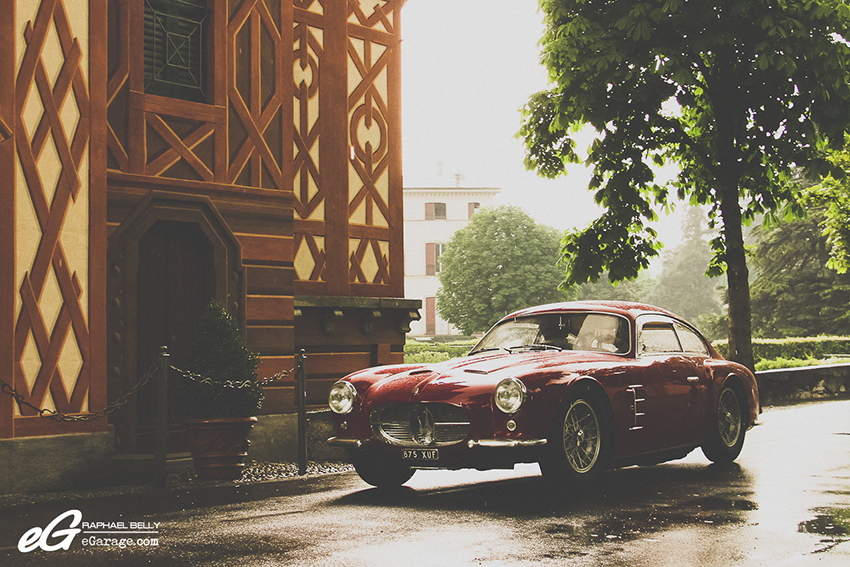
(254, 473)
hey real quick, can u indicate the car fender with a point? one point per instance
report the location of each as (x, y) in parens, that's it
(749, 387)
(584, 385)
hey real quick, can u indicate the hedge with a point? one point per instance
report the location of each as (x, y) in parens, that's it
(816, 348)
(423, 352)
(799, 348)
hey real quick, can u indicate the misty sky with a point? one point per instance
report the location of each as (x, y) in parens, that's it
(468, 66)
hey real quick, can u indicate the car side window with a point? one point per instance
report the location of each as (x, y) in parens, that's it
(691, 341)
(658, 338)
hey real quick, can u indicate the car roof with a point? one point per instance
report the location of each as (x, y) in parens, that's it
(618, 307)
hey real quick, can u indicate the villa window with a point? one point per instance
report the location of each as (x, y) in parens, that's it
(435, 211)
(175, 49)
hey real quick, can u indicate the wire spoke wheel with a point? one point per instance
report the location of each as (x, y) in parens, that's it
(582, 438)
(725, 441)
(729, 417)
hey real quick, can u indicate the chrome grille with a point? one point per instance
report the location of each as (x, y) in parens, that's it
(420, 425)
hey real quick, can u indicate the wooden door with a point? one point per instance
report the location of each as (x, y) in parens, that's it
(176, 279)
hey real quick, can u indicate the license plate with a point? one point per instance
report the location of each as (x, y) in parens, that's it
(421, 454)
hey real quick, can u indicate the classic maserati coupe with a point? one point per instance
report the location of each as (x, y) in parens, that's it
(577, 387)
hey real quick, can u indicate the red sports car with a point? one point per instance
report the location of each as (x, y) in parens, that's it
(577, 387)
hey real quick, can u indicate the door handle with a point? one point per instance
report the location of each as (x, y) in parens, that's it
(693, 378)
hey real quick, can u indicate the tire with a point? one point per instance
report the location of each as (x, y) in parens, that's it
(577, 449)
(727, 435)
(382, 473)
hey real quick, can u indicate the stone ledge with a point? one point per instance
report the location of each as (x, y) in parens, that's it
(805, 383)
(56, 462)
(357, 302)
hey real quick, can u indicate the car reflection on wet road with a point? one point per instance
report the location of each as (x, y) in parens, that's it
(785, 502)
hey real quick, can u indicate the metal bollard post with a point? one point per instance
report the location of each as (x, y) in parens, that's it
(301, 394)
(162, 417)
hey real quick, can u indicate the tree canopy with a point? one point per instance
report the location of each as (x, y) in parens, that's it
(500, 262)
(737, 92)
(834, 196)
(795, 294)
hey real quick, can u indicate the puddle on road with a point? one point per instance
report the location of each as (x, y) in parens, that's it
(833, 525)
(630, 525)
(724, 504)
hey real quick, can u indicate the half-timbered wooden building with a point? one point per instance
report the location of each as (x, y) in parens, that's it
(156, 154)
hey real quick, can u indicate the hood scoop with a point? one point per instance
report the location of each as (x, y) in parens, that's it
(476, 371)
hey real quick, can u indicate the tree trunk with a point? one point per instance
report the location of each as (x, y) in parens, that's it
(737, 277)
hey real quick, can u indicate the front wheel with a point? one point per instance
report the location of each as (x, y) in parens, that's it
(577, 447)
(727, 437)
(382, 473)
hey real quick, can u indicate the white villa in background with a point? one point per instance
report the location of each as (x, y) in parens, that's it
(431, 216)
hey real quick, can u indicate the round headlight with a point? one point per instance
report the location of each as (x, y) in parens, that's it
(342, 396)
(509, 395)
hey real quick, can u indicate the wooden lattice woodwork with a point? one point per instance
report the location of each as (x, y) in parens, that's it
(344, 241)
(56, 210)
(293, 144)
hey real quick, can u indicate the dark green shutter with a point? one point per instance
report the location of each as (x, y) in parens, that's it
(176, 49)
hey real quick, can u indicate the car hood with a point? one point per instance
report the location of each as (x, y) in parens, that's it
(462, 378)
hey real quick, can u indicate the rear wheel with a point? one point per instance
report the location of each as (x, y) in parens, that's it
(727, 437)
(382, 473)
(578, 446)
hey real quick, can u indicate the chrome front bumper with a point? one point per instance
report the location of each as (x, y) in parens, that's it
(347, 443)
(472, 443)
(505, 443)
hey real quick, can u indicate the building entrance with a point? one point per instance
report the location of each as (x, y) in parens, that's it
(176, 279)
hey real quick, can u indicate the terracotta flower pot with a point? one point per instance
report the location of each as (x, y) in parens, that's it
(219, 446)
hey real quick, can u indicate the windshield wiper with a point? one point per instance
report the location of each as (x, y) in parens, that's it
(479, 351)
(536, 346)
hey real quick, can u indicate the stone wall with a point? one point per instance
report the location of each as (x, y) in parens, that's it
(274, 439)
(56, 462)
(803, 384)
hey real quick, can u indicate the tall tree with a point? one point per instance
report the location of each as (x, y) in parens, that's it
(795, 294)
(737, 92)
(500, 262)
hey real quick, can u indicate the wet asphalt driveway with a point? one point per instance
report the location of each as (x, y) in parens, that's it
(785, 502)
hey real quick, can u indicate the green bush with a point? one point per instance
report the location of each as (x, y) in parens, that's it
(448, 349)
(426, 357)
(793, 348)
(219, 372)
(453, 349)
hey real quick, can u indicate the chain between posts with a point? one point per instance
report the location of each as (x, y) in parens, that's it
(195, 377)
(61, 417)
(58, 416)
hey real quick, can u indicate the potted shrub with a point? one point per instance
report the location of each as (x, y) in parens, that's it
(218, 395)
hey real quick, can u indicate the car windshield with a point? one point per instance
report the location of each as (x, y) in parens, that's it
(559, 331)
